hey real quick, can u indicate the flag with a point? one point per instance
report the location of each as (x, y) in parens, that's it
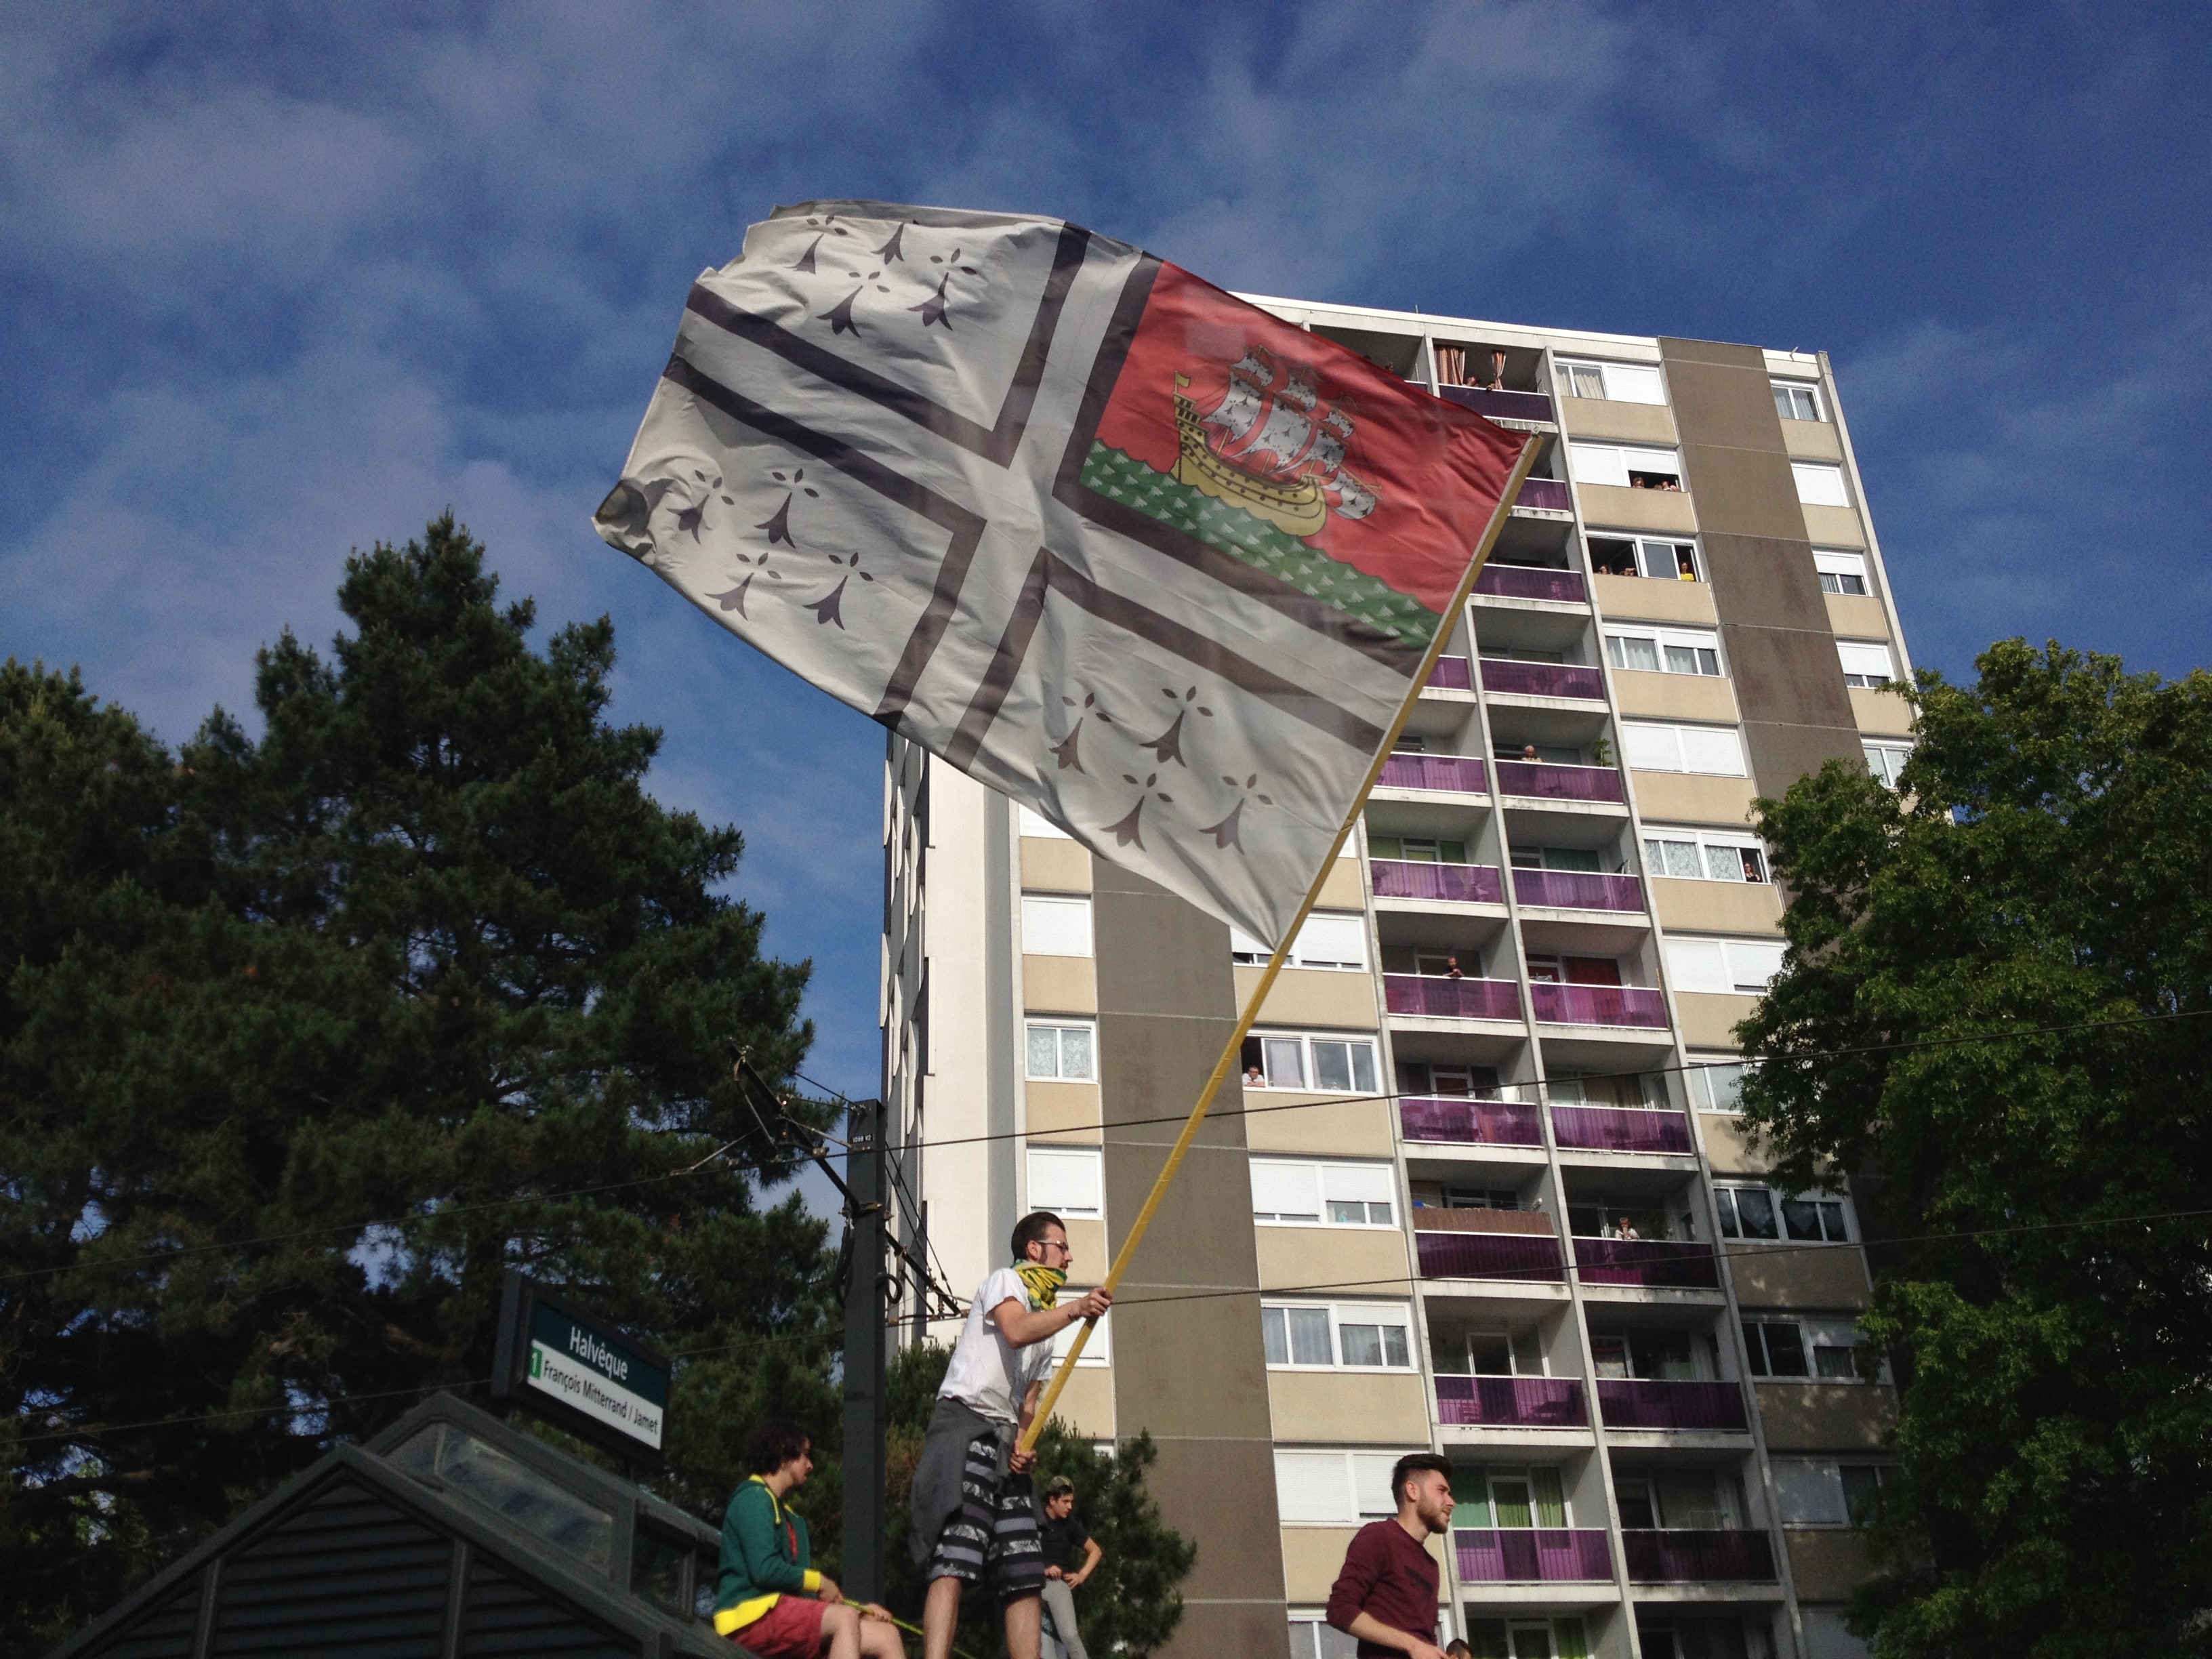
(1158, 565)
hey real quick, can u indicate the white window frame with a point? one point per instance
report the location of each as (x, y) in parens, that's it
(1809, 1491)
(1397, 1315)
(1312, 1637)
(1712, 966)
(1308, 1081)
(1598, 463)
(1320, 944)
(1839, 566)
(1038, 827)
(1099, 1349)
(1048, 922)
(1622, 383)
(1841, 1334)
(1347, 1493)
(1793, 390)
(1727, 1222)
(1713, 1081)
(1639, 740)
(1061, 1029)
(1655, 559)
(1707, 842)
(1818, 481)
(1333, 1182)
(1861, 652)
(1893, 758)
(1069, 1181)
(1699, 641)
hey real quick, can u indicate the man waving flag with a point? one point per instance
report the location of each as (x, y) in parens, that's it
(1162, 567)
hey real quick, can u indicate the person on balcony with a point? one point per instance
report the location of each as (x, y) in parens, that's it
(1254, 1078)
(1385, 1598)
(1451, 969)
(1529, 754)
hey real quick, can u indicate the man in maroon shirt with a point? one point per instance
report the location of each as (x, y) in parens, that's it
(1386, 1596)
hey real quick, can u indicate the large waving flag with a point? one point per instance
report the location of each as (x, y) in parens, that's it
(1158, 565)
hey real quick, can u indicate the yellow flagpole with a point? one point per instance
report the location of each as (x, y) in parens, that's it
(1252, 1004)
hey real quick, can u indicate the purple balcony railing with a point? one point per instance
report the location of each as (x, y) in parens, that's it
(1528, 1258)
(1531, 1555)
(1512, 1402)
(1501, 405)
(1451, 999)
(1468, 1122)
(1542, 680)
(1599, 1004)
(1548, 782)
(1462, 884)
(1689, 1557)
(1462, 775)
(1650, 1403)
(1450, 674)
(1620, 1129)
(1578, 890)
(1528, 581)
(1546, 495)
(1661, 1263)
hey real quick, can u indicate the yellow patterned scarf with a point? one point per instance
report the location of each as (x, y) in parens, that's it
(1043, 1283)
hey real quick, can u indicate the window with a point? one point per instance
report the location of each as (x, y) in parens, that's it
(1414, 850)
(1334, 1488)
(1325, 941)
(1621, 555)
(1715, 1085)
(1298, 1192)
(1819, 485)
(1625, 464)
(1512, 1497)
(1357, 1336)
(1704, 855)
(1619, 383)
(1822, 1349)
(1062, 1052)
(1317, 1061)
(1069, 1181)
(1865, 665)
(1034, 823)
(1841, 573)
(1665, 650)
(1795, 401)
(1714, 750)
(1750, 1213)
(1775, 1347)
(1886, 760)
(1099, 1349)
(1312, 1637)
(1740, 967)
(1055, 927)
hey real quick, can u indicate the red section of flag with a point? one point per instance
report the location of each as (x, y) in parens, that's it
(1409, 481)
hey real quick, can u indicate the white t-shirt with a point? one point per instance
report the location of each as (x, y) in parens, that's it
(987, 1371)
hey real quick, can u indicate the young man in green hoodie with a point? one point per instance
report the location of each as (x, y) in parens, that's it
(771, 1599)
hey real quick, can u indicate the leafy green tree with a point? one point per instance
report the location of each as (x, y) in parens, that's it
(1133, 1603)
(2043, 871)
(304, 1040)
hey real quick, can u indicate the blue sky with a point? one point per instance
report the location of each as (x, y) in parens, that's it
(282, 281)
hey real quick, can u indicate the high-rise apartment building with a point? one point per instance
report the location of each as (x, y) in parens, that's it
(1481, 1188)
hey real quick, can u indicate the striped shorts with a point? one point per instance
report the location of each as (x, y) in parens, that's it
(994, 1530)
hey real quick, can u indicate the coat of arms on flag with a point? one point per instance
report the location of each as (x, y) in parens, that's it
(1158, 565)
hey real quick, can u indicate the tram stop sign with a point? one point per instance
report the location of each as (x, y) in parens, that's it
(579, 1372)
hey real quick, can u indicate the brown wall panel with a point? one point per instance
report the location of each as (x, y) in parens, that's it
(1788, 676)
(1765, 581)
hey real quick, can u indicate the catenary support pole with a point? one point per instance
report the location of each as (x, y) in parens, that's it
(866, 1409)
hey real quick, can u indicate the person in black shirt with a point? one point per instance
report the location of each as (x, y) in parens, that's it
(1063, 1538)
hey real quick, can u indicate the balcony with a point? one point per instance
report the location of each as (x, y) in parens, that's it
(1499, 405)
(1652, 1403)
(1459, 775)
(1468, 1122)
(1529, 581)
(1542, 680)
(1458, 883)
(1516, 1244)
(1544, 781)
(1450, 674)
(1599, 1004)
(1653, 1263)
(1531, 1555)
(1512, 1402)
(1698, 1557)
(1578, 890)
(1545, 496)
(1620, 1129)
(1451, 999)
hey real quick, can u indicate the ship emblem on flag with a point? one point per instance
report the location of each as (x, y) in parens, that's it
(1159, 565)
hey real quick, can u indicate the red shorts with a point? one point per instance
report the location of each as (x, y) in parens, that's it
(792, 1629)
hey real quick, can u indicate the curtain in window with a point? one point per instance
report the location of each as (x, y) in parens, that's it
(1551, 1502)
(1567, 1635)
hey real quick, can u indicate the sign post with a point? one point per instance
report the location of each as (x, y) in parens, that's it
(867, 1408)
(579, 1372)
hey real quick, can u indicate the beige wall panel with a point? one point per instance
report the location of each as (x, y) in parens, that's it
(1342, 891)
(1064, 1111)
(1833, 526)
(1060, 985)
(1054, 866)
(1708, 1018)
(1691, 798)
(1812, 1278)
(1717, 907)
(1666, 511)
(1087, 1402)
(1729, 1145)
(1362, 1261)
(1314, 996)
(1351, 1410)
(1828, 1566)
(1830, 1417)
(1600, 417)
(1883, 712)
(1811, 440)
(1674, 696)
(1087, 1240)
(1313, 1556)
(1338, 1128)
(1856, 615)
(1646, 600)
